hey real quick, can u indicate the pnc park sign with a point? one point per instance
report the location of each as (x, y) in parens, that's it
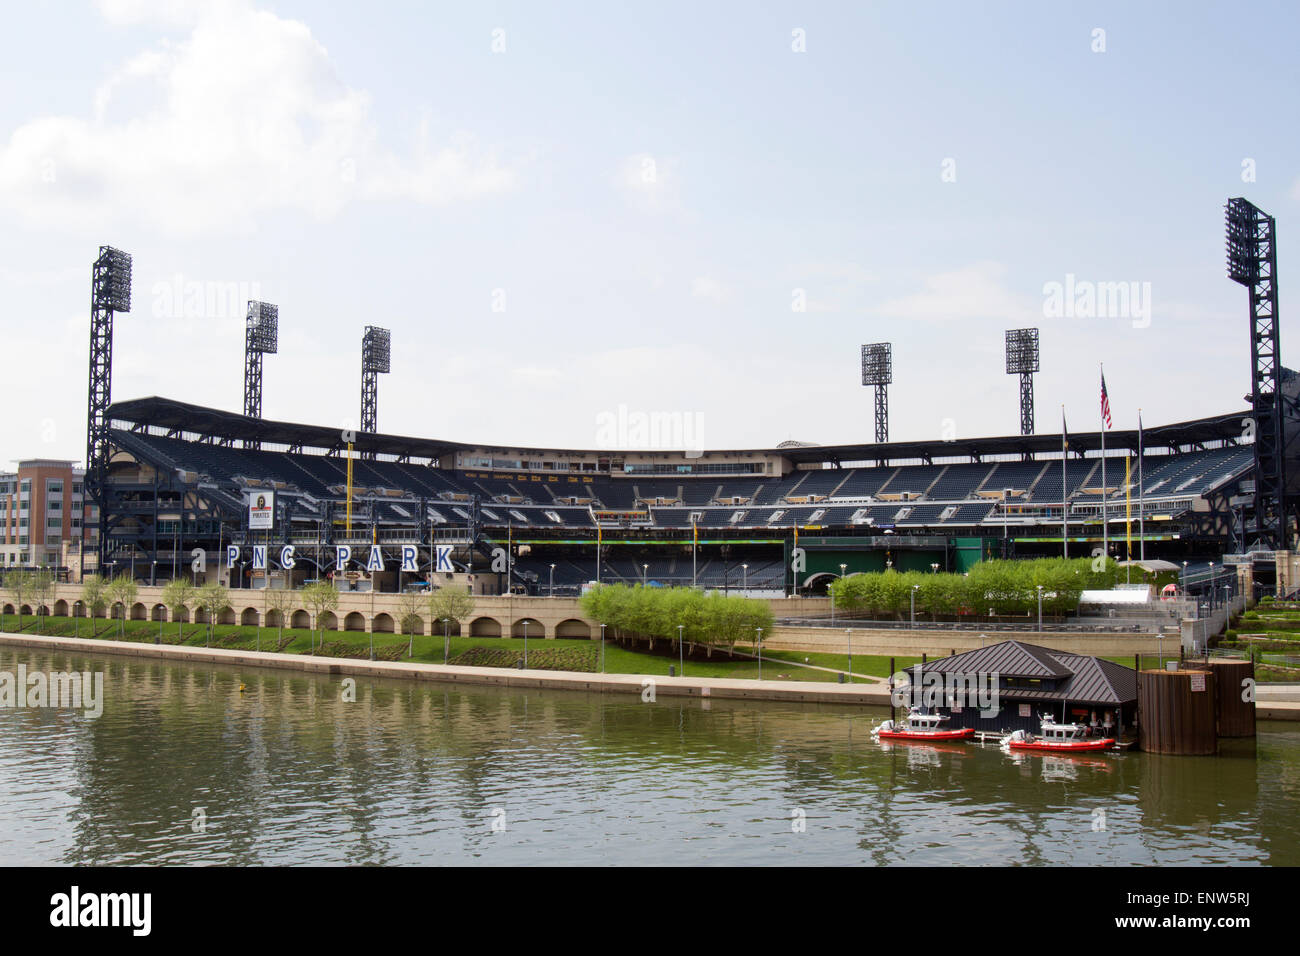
(343, 555)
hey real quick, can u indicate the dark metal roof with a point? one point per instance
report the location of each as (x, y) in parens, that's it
(171, 414)
(1085, 680)
(1009, 658)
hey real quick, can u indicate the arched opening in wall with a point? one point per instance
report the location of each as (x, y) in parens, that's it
(572, 628)
(201, 616)
(301, 619)
(451, 627)
(412, 624)
(356, 621)
(328, 622)
(818, 583)
(249, 617)
(8, 609)
(274, 617)
(382, 624)
(534, 628)
(139, 612)
(181, 615)
(159, 613)
(60, 608)
(25, 609)
(227, 616)
(485, 627)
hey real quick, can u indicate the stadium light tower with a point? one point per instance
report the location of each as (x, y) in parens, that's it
(376, 353)
(1252, 262)
(878, 370)
(261, 337)
(1022, 360)
(110, 291)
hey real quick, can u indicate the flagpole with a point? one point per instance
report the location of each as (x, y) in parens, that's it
(1105, 536)
(1128, 520)
(1065, 492)
(1142, 534)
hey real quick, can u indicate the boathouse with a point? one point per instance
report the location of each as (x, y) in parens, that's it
(1008, 686)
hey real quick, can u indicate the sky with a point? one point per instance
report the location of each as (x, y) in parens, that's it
(564, 210)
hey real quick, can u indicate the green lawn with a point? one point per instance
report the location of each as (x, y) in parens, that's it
(557, 653)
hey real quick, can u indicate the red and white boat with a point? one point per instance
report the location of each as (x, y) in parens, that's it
(919, 726)
(1058, 738)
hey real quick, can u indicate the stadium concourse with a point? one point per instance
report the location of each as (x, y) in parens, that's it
(182, 477)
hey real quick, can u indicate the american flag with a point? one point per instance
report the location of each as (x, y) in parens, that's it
(1105, 402)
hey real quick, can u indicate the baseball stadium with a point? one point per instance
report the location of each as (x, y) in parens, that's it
(178, 483)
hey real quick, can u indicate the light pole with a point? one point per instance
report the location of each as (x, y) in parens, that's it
(934, 567)
(849, 633)
(695, 538)
(1184, 579)
(645, 570)
(681, 652)
(1040, 607)
(446, 638)
(758, 650)
(912, 597)
(602, 648)
(744, 585)
(525, 643)
(552, 584)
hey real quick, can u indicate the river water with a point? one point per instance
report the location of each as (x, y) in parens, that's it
(185, 767)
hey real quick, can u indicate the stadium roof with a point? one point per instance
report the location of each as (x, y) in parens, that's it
(175, 416)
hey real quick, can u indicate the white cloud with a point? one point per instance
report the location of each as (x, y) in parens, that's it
(244, 116)
(649, 182)
(704, 287)
(973, 292)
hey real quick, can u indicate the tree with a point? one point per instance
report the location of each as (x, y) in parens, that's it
(319, 596)
(93, 592)
(177, 595)
(122, 590)
(213, 598)
(42, 585)
(19, 584)
(279, 600)
(449, 604)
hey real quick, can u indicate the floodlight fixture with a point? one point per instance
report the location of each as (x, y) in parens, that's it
(878, 371)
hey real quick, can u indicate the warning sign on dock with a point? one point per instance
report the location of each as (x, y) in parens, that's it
(1198, 682)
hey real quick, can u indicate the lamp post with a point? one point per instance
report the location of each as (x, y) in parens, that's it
(525, 643)
(1040, 607)
(602, 648)
(681, 652)
(744, 586)
(446, 638)
(552, 584)
(912, 599)
(934, 567)
(849, 633)
(645, 570)
(758, 650)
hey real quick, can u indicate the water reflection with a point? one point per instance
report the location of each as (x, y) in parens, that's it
(287, 771)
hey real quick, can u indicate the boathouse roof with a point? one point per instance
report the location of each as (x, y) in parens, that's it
(1077, 678)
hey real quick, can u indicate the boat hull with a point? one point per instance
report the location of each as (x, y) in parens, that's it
(1063, 747)
(963, 734)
